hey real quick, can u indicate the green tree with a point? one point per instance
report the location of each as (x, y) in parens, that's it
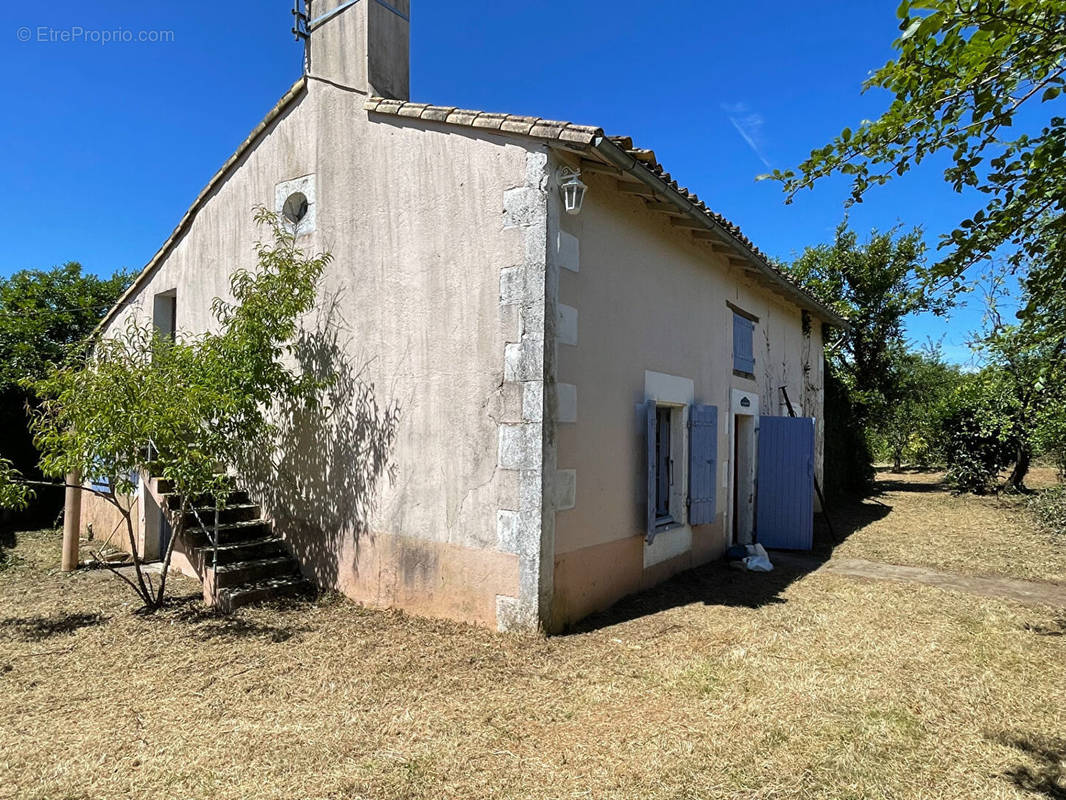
(908, 430)
(874, 285)
(1027, 373)
(1050, 435)
(46, 313)
(966, 70)
(144, 405)
(977, 433)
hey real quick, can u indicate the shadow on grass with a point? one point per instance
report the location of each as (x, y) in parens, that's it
(885, 485)
(1048, 776)
(7, 543)
(718, 584)
(206, 623)
(36, 629)
(1057, 627)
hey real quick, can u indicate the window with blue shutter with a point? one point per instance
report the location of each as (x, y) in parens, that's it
(743, 345)
(703, 464)
(650, 424)
(664, 437)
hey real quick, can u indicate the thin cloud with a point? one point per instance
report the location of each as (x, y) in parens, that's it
(749, 125)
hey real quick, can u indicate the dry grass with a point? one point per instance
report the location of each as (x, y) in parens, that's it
(719, 685)
(916, 521)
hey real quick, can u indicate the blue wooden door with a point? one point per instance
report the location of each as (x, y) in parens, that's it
(784, 506)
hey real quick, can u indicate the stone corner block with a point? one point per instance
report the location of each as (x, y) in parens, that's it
(565, 489)
(568, 251)
(513, 616)
(565, 402)
(520, 446)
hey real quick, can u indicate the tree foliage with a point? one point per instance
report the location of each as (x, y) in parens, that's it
(46, 313)
(977, 433)
(183, 409)
(44, 316)
(14, 494)
(848, 470)
(965, 70)
(1049, 436)
(874, 285)
(909, 430)
(1026, 377)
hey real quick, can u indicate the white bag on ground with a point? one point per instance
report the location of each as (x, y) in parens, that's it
(757, 559)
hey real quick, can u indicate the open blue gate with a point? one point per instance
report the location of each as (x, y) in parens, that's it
(784, 506)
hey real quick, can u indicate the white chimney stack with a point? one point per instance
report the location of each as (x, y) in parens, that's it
(361, 44)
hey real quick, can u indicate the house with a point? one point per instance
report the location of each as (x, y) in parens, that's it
(564, 372)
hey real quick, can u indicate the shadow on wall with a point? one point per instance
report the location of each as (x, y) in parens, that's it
(320, 491)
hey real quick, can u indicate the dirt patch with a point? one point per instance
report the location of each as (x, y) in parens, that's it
(1030, 592)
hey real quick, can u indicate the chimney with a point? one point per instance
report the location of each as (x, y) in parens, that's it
(361, 44)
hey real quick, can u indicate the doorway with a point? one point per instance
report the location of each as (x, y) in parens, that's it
(743, 486)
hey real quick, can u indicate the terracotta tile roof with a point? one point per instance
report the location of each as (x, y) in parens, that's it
(536, 127)
(588, 135)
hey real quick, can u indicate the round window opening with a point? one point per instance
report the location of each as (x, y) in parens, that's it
(295, 208)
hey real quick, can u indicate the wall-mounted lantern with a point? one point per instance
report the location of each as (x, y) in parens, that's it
(572, 188)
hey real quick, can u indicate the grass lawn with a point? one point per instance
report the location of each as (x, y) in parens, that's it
(915, 522)
(718, 685)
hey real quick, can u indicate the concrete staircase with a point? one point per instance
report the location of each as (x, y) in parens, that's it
(248, 563)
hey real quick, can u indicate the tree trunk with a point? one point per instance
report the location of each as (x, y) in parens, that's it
(897, 461)
(1023, 458)
(141, 586)
(177, 530)
(71, 521)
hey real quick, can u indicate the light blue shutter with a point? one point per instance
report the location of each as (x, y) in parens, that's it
(743, 346)
(702, 464)
(649, 465)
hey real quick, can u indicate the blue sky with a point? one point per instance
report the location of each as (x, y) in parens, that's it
(107, 144)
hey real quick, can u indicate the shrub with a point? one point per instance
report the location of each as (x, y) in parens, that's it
(977, 439)
(1050, 508)
(1051, 437)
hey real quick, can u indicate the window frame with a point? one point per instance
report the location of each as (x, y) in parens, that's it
(750, 322)
(676, 510)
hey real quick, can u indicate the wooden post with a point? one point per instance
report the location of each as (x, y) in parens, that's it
(71, 522)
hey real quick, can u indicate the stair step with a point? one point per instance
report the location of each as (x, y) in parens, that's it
(239, 572)
(234, 498)
(241, 512)
(244, 550)
(230, 532)
(259, 591)
(166, 486)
